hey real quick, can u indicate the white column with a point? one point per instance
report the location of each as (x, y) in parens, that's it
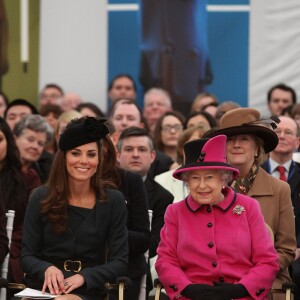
(24, 31)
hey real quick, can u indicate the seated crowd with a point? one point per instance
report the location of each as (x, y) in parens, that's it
(223, 185)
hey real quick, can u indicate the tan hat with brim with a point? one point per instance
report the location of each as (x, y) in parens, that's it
(246, 121)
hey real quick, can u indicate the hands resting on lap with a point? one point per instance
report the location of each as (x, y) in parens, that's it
(218, 291)
(57, 284)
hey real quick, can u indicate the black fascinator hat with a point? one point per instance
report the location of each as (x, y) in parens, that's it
(82, 131)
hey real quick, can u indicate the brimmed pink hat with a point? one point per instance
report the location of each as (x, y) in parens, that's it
(205, 154)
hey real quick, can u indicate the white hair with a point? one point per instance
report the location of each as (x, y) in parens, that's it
(161, 92)
(226, 175)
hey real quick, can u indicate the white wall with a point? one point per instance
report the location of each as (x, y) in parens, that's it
(73, 47)
(274, 48)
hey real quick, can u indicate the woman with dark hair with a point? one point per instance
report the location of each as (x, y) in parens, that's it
(51, 113)
(75, 236)
(167, 130)
(200, 117)
(15, 187)
(90, 109)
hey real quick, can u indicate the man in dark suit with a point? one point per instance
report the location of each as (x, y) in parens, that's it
(136, 154)
(281, 165)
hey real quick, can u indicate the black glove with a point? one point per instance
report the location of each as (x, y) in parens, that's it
(233, 291)
(203, 292)
(3, 282)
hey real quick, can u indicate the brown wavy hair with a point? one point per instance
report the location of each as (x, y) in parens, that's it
(56, 203)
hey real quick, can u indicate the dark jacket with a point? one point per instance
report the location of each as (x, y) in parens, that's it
(161, 164)
(133, 189)
(43, 165)
(294, 182)
(32, 181)
(105, 224)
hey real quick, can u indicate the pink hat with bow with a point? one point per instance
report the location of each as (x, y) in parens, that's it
(205, 153)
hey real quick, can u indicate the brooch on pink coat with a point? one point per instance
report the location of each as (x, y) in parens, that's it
(238, 209)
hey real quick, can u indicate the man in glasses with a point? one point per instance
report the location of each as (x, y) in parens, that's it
(50, 94)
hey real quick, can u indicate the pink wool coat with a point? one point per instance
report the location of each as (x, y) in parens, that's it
(228, 242)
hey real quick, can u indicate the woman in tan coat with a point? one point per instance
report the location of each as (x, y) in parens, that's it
(249, 138)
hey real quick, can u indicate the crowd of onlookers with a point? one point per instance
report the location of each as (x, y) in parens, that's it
(149, 144)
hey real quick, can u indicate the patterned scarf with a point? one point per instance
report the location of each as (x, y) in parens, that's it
(243, 185)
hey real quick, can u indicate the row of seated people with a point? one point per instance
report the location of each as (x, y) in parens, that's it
(70, 145)
(171, 129)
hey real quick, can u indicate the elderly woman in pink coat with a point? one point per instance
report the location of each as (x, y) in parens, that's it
(214, 244)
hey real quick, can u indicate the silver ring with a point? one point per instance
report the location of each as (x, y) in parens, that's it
(66, 283)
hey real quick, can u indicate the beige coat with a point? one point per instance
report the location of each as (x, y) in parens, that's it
(274, 197)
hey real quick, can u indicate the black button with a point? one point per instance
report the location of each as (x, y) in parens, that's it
(209, 225)
(210, 245)
(214, 264)
(174, 287)
(259, 291)
(221, 279)
(209, 209)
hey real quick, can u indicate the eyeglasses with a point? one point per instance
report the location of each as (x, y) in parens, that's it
(169, 128)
